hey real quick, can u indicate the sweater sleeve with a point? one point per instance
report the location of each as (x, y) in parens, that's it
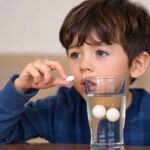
(12, 105)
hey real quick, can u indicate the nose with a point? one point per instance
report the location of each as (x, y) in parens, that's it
(86, 64)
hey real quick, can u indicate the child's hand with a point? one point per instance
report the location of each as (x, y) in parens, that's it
(38, 74)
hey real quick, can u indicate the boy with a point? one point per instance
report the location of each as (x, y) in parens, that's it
(102, 37)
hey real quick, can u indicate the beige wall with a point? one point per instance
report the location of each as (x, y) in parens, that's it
(32, 26)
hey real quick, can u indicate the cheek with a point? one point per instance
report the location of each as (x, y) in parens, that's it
(113, 67)
(122, 66)
(73, 67)
(73, 70)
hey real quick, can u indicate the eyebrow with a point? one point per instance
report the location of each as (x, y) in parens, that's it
(98, 43)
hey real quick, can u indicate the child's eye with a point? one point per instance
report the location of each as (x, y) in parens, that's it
(101, 53)
(74, 55)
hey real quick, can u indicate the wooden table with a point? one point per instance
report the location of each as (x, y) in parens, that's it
(56, 147)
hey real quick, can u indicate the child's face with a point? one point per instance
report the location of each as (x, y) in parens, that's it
(102, 60)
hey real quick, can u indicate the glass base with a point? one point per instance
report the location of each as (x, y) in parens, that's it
(97, 146)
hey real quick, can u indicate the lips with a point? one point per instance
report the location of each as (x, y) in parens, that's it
(88, 85)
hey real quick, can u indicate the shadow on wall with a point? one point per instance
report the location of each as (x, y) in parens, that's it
(13, 64)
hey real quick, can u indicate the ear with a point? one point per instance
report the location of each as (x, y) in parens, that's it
(139, 65)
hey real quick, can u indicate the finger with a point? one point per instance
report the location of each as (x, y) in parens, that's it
(45, 71)
(56, 66)
(59, 81)
(34, 72)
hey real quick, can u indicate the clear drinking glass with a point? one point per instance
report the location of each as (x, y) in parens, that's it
(106, 106)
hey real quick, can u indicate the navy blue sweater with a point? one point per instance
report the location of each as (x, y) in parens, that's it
(63, 118)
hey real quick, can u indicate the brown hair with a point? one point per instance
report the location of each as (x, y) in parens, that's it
(114, 21)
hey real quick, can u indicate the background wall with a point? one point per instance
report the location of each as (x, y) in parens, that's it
(32, 26)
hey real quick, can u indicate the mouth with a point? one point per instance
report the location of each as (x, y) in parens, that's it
(88, 86)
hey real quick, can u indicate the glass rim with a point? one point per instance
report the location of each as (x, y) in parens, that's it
(105, 77)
